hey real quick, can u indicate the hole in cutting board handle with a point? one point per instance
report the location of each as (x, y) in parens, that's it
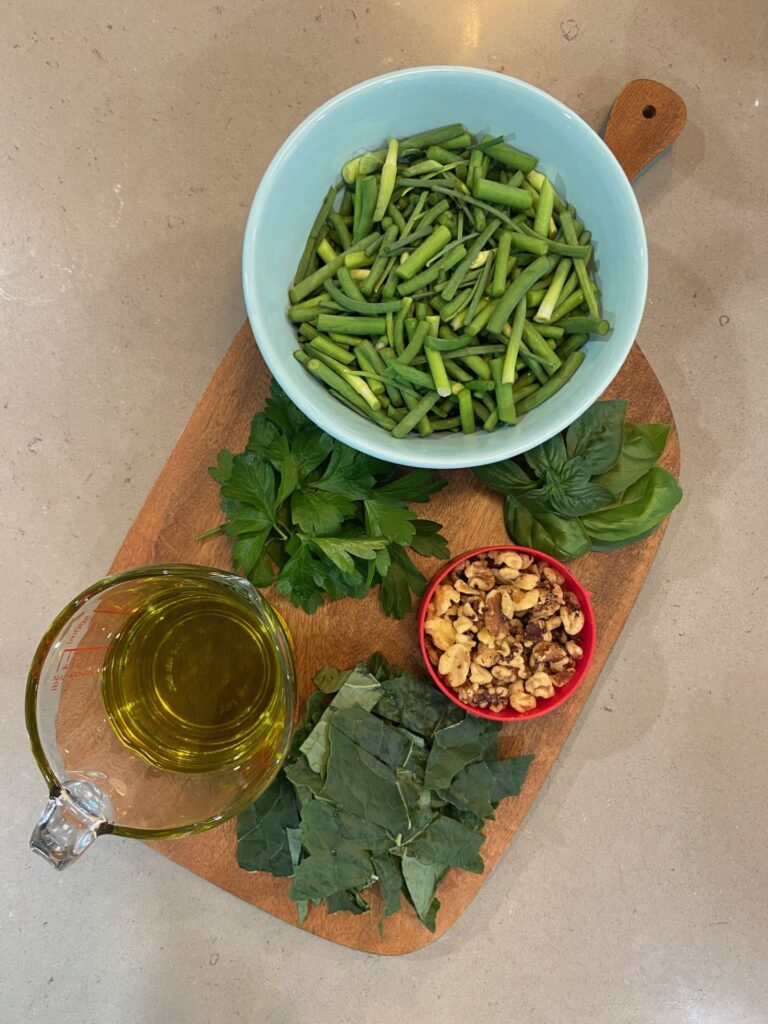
(649, 111)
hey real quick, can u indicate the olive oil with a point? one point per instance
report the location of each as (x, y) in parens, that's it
(193, 682)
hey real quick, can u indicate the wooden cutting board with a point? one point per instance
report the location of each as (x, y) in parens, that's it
(184, 503)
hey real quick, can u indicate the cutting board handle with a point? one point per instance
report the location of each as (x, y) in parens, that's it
(646, 118)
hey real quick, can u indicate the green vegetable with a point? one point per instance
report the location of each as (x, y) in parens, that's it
(391, 784)
(320, 520)
(640, 509)
(595, 487)
(642, 446)
(454, 223)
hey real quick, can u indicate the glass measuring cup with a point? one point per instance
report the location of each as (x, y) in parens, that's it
(199, 745)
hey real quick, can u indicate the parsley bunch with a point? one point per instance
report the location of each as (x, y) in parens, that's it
(317, 518)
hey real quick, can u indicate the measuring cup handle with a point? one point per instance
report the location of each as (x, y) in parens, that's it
(73, 818)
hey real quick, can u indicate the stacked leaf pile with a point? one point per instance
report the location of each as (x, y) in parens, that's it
(596, 488)
(317, 518)
(387, 782)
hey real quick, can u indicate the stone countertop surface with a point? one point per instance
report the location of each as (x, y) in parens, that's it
(133, 137)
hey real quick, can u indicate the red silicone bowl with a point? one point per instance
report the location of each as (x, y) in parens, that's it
(587, 637)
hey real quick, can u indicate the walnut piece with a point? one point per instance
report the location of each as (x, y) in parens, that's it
(442, 632)
(454, 665)
(502, 631)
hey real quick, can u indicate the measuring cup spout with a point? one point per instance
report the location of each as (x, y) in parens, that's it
(74, 816)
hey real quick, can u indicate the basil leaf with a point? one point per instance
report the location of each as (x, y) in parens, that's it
(325, 827)
(641, 508)
(415, 705)
(607, 545)
(532, 525)
(597, 435)
(571, 493)
(641, 449)
(506, 477)
(549, 457)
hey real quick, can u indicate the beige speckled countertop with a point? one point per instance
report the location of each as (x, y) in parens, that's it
(132, 138)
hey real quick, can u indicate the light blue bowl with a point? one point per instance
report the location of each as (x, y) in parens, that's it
(582, 168)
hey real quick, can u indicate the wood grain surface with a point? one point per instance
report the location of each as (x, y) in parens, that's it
(183, 503)
(646, 118)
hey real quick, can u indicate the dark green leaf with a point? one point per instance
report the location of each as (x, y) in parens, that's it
(263, 572)
(374, 735)
(421, 881)
(402, 578)
(253, 481)
(363, 785)
(386, 517)
(428, 540)
(342, 550)
(310, 447)
(378, 666)
(318, 512)
(382, 563)
(338, 584)
(506, 477)
(471, 790)
(347, 900)
(571, 493)
(325, 827)
(246, 552)
(316, 705)
(289, 478)
(532, 525)
(296, 580)
(417, 485)
(447, 843)
(299, 773)
(329, 679)
(281, 411)
(416, 705)
(349, 473)
(264, 435)
(549, 457)
(456, 746)
(293, 836)
(641, 449)
(323, 874)
(642, 508)
(262, 844)
(508, 776)
(221, 472)
(597, 435)
(606, 546)
(390, 876)
(359, 688)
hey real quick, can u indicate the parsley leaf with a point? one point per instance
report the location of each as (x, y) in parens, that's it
(418, 485)
(314, 512)
(319, 519)
(402, 578)
(389, 518)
